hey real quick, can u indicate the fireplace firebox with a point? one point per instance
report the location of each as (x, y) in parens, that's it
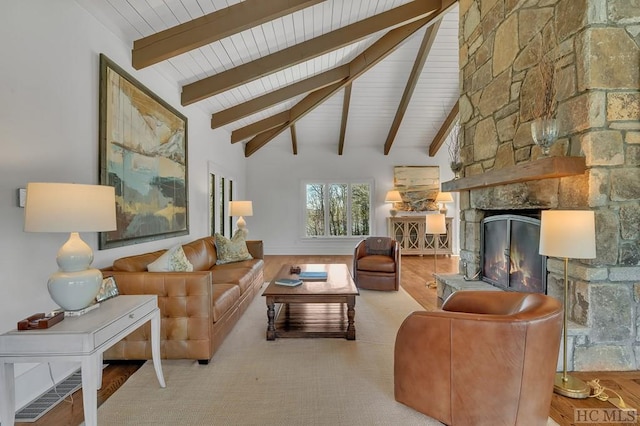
(509, 253)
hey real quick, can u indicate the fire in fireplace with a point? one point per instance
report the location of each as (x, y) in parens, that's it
(509, 253)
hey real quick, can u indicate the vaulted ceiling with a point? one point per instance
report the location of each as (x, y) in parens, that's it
(342, 73)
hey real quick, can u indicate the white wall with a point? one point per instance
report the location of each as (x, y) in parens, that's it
(274, 176)
(49, 81)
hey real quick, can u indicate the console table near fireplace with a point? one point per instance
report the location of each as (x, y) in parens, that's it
(409, 231)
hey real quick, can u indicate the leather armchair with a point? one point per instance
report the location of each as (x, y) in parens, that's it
(487, 358)
(376, 264)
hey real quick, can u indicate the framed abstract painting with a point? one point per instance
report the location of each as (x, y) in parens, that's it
(143, 154)
(418, 186)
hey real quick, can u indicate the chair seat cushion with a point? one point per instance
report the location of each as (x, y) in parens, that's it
(376, 263)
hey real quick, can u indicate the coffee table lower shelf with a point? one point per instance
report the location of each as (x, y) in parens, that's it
(311, 320)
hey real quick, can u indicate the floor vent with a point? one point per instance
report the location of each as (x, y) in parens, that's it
(45, 402)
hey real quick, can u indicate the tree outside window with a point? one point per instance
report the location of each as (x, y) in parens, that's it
(337, 209)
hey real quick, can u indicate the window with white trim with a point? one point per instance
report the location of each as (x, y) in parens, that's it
(337, 209)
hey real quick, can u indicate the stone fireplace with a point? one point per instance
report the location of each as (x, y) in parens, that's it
(594, 164)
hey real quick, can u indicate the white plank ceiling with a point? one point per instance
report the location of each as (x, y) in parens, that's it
(375, 95)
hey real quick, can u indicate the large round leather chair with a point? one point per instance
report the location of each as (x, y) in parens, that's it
(487, 358)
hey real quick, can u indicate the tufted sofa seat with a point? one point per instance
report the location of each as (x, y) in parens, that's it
(198, 309)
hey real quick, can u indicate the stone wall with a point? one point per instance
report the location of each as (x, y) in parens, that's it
(595, 47)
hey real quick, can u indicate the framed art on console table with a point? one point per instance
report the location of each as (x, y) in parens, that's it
(143, 154)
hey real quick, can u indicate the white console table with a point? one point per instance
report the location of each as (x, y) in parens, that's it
(82, 339)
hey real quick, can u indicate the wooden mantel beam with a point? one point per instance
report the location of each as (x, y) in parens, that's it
(544, 168)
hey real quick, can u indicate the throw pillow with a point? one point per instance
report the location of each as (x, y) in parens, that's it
(173, 260)
(231, 250)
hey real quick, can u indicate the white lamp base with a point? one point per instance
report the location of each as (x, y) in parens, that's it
(73, 291)
(74, 286)
(242, 226)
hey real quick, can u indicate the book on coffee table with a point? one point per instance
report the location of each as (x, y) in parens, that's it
(313, 275)
(289, 282)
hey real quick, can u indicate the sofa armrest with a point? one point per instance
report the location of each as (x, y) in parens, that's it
(256, 249)
(185, 300)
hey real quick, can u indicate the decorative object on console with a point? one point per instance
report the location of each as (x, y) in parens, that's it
(393, 196)
(74, 208)
(435, 225)
(568, 234)
(240, 209)
(41, 320)
(143, 154)
(443, 198)
(108, 289)
(231, 250)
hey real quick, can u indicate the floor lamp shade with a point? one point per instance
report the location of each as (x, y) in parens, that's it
(568, 234)
(240, 209)
(73, 208)
(436, 224)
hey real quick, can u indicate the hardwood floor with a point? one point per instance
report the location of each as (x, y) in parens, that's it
(416, 273)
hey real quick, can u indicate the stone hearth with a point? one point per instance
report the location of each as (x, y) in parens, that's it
(595, 48)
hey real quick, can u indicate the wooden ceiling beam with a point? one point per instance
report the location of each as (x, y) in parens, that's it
(345, 114)
(307, 50)
(260, 103)
(444, 131)
(266, 124)
(421, 57)
(209, 28)
(294, 140)
(363, 62)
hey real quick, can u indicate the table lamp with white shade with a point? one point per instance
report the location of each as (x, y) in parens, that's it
(393, 197)
(443, 198)
(73, 208)
(240, 209)
(435, 225)
(568, 234)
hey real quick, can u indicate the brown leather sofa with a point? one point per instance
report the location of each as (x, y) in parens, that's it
(198, 309)
(487, 358)
(376, 264)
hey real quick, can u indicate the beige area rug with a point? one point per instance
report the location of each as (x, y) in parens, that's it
(251, 381)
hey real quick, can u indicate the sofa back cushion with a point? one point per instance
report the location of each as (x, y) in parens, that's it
(201, 253)
(137, 263)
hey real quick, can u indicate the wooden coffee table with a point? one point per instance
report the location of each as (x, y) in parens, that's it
(315, 308)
